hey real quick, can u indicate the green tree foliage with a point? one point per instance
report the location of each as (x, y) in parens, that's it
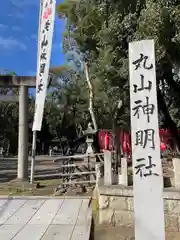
(66, 104)
(102, 31)
(99, 31)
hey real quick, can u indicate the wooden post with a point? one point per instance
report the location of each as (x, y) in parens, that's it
(98, 173)
(123, 176)
(107, 168)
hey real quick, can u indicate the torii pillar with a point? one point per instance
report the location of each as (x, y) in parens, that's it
(22, 171)
(23, 83)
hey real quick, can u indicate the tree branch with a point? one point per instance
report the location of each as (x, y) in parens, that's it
(91, 97)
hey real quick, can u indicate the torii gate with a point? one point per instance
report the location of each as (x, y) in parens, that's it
(23, 83)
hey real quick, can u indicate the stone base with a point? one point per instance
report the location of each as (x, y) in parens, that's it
(116, 217)
(116, 207)
(105, 232)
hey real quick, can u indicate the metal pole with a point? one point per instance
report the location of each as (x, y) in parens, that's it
(23, 134)
(34, 132)
(33, 157)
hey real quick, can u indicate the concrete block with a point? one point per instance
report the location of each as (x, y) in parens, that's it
(116, 217)
(124, 218)
(171, 223)
(107, 216)
(130, 204)
(172, 235)
(166, 206)
(118, 203)
(112, 202)
(174, 206)
(116, 207)
(103, 202)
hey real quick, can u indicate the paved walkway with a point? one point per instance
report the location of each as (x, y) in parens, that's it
(35, 218)
(44, 165)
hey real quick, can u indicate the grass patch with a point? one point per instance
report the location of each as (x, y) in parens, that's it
(39, 188)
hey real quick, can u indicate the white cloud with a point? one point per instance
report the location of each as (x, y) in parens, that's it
(22, 3)
(3, 28)
(16, 15)
(16, 28)
(10, 44)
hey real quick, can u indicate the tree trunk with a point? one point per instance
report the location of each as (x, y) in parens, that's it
(173, 85)
(91, 97)
(172, 126)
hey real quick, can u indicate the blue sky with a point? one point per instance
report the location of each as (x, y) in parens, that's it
(18, 37)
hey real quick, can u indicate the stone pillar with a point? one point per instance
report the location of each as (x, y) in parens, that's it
(176, 166)
(107, 168)
(23, 134)
(98, 173)
(123, 177)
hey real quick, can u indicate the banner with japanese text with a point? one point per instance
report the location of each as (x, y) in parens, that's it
(39, 34)
(146, 159)
(46, 28)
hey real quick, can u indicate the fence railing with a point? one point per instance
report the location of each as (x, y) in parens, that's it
(87, 169)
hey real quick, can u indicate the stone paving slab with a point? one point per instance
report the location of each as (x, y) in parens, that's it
(36, 218)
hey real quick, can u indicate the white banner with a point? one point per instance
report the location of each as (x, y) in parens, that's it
(39, 34)
(46, 28)
(147, 166)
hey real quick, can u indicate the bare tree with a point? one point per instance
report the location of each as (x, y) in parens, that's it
(91, 96)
